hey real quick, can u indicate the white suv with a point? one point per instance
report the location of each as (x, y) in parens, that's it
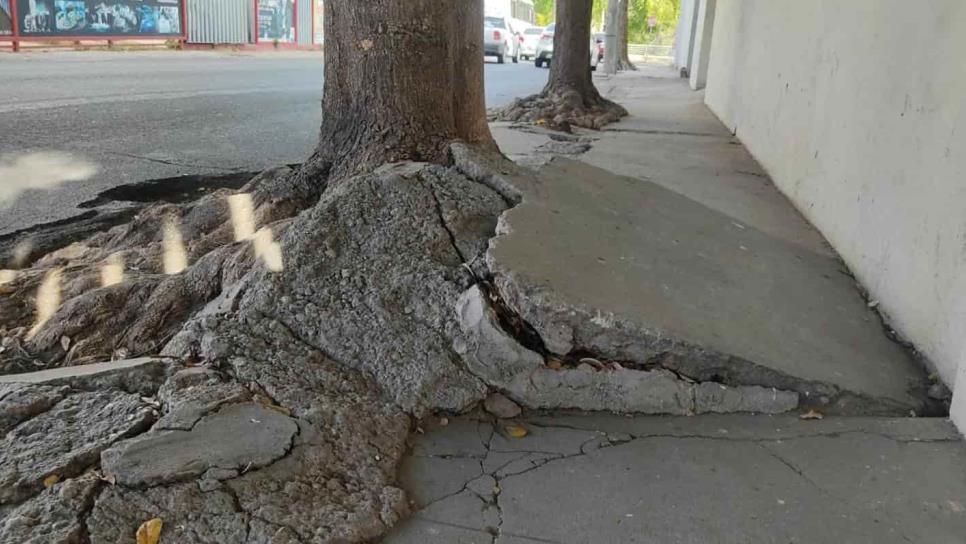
(499, 40)
(544, 52)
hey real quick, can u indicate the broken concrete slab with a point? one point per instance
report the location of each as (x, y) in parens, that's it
(496, 357)
(238, 437)
(190, 516)
(142, 375)
(55, 516)
(634, 272)
(712, 478)
(67, 439)
(192, 393)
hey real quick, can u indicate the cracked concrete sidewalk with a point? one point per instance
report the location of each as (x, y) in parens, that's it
(580, 479)
(660, 240)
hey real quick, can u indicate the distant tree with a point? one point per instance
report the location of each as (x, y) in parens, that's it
(545, 11)
(665, 13)
(570, 97)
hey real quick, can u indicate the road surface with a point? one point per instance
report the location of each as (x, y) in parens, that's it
(151, 115)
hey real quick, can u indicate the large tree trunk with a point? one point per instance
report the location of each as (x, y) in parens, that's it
(570, 97)
(469, 98)
(402, 81)
(623, 58)
(570, 67)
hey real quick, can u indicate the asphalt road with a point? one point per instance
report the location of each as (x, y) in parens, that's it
(150, 115)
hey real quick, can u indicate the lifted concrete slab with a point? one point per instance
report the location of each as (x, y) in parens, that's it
(144, 376)
(671, 138)
(58, 375)
(629, 270)
(600, 478)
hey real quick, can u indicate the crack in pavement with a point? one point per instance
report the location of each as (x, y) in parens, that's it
(170, 163)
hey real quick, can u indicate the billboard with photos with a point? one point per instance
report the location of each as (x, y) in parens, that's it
(115, 18)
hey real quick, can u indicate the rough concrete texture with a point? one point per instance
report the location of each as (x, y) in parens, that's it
(142, 374)
(61, 432)
(374, 289)
(587, 479)
(56, 515)
(291, 420)
(491, 353)
(55, 426)
(238, 437)
(630, 270)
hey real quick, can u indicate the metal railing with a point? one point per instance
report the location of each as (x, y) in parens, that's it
(660, 54)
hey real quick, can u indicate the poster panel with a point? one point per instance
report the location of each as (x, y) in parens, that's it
(6, 18)
(99, 17)
(276, 21)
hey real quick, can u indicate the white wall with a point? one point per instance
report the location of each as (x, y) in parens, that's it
(701, 50)
(684, 37)
(856, 109)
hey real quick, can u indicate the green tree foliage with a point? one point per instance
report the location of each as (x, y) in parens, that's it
(665, 12)
(545, 11)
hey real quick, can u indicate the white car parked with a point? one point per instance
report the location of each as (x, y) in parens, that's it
(544, 52)
(499, 40)
(531, 37)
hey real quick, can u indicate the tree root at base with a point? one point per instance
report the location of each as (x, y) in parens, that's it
(562, 109)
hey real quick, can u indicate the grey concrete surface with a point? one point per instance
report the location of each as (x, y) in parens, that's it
(582, 479)
(150, 115)
(673, 139)
(693, 260)
(60, 375)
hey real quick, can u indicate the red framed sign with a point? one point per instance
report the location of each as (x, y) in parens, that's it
(276, 21)
(92, 19)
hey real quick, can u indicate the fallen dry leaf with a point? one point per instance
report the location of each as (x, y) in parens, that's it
(51, 480)
(515, 431)
(554, 364)
(109, 478)
(150, 531)
(811, 414)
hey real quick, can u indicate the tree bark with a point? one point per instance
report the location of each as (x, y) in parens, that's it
(623, 58)
(402, 81)
(570, 67)
(469, 96)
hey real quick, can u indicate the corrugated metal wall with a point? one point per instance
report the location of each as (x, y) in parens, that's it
(303, 9)
(222, 21)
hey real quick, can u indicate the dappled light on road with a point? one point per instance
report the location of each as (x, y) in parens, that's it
(112, 273)
(39, 170)
(175, 255)
(48, 300)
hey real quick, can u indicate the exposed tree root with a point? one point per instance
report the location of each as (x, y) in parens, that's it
(98, 320)
(563, 108)
(625, 65)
